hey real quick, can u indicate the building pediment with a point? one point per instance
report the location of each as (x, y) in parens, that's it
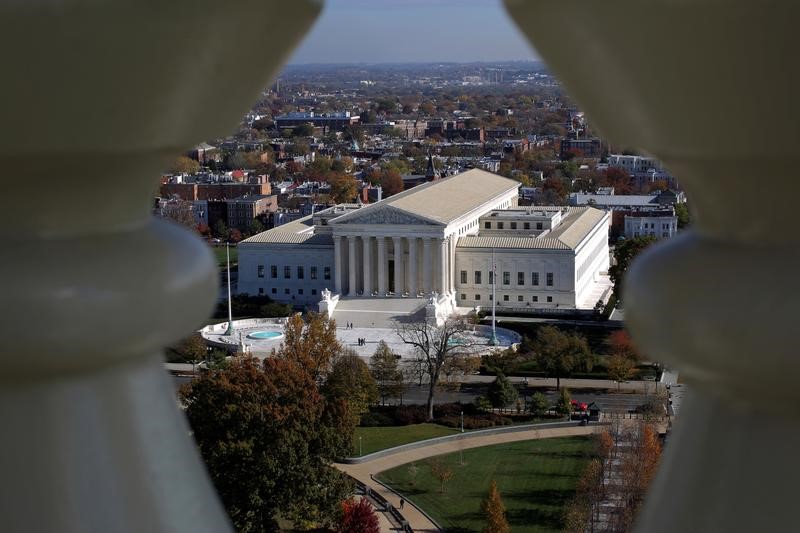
(384, 215)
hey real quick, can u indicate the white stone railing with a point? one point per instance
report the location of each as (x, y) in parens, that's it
(93, 440)
(691, 82)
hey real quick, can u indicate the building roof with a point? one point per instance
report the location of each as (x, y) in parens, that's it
(299, 231)
(575, 226)
(447, 199)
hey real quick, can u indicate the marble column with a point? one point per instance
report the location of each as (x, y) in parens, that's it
(427, 265)
(367, 242)
(382, 267)
(399, 286)
(337, 257)
(443, 265)
(352, 267)
(452, 259)
(412, 266)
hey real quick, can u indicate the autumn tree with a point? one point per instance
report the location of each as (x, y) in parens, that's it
(358, 516)
(310, 344)
(581, 512)
(391, 182)
(441, 471)
(624, 253)
(351, 381)
(620, 368)
(495, 512)
(558, 353)
(385, 369)
(184, 165)
(268, 437)
(638, 467)
(501, 392)
(343, 187)
(435, 346)
(619, 343)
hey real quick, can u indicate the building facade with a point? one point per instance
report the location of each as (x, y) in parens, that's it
(419, 243)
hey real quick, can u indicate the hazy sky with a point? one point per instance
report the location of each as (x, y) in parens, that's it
(377, 31)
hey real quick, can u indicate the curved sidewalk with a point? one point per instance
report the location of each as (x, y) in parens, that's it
(419, 521)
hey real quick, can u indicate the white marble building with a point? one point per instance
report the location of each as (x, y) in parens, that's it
(413, 245)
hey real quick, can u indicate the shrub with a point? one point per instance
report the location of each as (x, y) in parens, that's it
(371, 419)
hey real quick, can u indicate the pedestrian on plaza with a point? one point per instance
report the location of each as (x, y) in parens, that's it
(402, 503)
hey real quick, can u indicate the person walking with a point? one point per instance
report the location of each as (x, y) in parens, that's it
(402, 503)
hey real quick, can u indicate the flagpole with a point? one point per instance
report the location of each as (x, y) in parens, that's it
(493, 340)
(230, 309)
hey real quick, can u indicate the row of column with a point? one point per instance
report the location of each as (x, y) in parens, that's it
(357, 273)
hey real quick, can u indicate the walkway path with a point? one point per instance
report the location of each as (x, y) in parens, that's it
(417, 520)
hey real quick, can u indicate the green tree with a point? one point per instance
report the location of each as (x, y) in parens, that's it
(495, 512)
(351, 381)
(683, 215)
(501, 392)
(385, 369)
(221, 229)
(539, 404)
(564, 403)
(256, 227)
(624, 253)
(558, 353)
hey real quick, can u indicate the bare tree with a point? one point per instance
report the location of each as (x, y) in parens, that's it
(435, 345)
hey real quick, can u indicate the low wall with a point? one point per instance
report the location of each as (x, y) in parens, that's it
(232, 343)
(457, 436)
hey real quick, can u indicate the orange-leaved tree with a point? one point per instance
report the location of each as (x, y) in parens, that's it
(495, 512)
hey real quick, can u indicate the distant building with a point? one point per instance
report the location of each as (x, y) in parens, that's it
(204, 153)
(328, 121)
(215, 191)
(239, 213)
(658, 224)
(628, 201)
(581, 148)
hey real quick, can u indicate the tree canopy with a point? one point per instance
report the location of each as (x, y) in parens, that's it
(624, 253)
(559, 353)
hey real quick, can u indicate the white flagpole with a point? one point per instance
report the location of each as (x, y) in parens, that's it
(230, 310)
(494, 299)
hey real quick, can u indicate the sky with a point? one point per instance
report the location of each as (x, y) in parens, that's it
(410, 31)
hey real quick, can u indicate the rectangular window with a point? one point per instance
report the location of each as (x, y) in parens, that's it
(326, 273)
(513, 225)
(313, 291)
(261, 291)
(299, 291)
(477, 277)
(260, 271)
(520, 298)
(665, 234)
(463, 276)
(506, 278)
(500, 225)
(491, 277)
(300, 272)
(313, 272)
(549, 279)
(538, 225)
(534, 298)
(287, 272)
(549, 298)
(273, 271)
(520, 278)
(285, 291)
(274, 290)
(534, 278)
(491, 297)
(487, 225)
(527, 225)
(505, 297)
(463, 296)
(478, 297)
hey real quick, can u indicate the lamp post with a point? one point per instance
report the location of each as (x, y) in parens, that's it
(360, 449)
(462, 421)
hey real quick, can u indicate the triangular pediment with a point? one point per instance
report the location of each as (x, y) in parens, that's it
(384, 215)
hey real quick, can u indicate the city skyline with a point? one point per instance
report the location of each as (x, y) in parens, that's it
(412, 31)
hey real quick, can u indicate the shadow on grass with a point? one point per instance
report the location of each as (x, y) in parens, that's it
(541, 497)
(539, 517)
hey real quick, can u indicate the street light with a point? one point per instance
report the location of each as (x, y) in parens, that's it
(462, 421)
(360, 449)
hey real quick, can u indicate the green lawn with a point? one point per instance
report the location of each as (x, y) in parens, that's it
(374, 439)
(536, 479)
(219, 255)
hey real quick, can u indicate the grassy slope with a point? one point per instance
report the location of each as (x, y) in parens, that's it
(380, 438)
(536, 480)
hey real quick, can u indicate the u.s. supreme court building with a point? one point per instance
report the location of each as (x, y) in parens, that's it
(436, 242)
